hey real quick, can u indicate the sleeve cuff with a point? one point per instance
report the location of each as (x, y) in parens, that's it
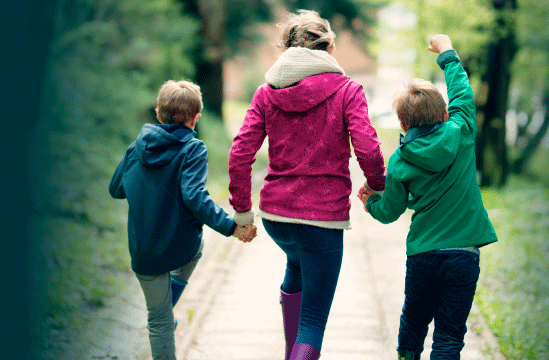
(378, 192)
(371, 200)
(244, 218)
(447, 57)
(375, 192)
(233, 229)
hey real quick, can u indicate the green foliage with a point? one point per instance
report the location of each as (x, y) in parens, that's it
(107, 62)
(513, 292)
(116, 59)
(538, 166)
(218, 143)
(242, 15)
(239, 17)
(530, 83)
(470, 28)
(355, 15)
(530, 67)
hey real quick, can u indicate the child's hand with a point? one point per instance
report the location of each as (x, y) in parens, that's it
(362, 191)
(245, 233)
(440, 43)
(364, 194)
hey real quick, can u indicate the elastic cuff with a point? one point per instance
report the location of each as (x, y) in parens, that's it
(244, 218)
(375, 192)
(233, 229)
(380, 185)
(378, 192)
(371, 200)
(447, 57)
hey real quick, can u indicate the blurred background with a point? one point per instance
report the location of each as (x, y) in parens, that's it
(89, 72)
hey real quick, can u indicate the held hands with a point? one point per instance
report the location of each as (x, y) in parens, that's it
(245, 229)
(245, 233)
(364, 194)
(440, 43)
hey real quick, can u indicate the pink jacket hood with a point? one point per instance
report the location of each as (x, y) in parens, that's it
(308, 93)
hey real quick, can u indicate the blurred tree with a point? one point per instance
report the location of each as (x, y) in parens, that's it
(531, 80)
(492, 162)
(225, 26)
(357, 16)
(470, 29)
(115, 54)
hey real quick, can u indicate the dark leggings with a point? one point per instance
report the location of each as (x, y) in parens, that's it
(314, 260)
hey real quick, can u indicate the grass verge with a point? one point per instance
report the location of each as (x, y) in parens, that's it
(513, 291)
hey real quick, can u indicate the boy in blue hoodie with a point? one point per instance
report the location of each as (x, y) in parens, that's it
(163, 176)
(433, 172)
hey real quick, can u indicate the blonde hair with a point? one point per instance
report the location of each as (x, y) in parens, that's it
(419, 103)
(306, 29)
(178, 102)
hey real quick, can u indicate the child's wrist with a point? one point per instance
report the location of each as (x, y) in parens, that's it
(446, 57)
(375, 192)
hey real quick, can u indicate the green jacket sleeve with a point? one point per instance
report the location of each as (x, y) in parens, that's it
(394, 202)
(461, 102)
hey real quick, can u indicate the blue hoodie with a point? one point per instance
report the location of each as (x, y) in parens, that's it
(163, 176)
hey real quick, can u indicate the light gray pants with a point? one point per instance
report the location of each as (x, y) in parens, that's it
(158, 297)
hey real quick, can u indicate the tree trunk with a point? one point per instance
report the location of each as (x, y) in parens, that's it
(209, 76)
(492, 161)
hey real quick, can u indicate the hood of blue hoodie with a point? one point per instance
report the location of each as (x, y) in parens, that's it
(431, 147)
(157, 145)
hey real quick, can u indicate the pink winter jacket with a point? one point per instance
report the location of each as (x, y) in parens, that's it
(308, 127)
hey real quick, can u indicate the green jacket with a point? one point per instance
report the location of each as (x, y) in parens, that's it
(433, 172)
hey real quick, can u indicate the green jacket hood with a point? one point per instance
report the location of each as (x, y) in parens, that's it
(431, 147)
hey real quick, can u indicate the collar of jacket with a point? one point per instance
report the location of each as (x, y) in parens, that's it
(297, 63)
(418, 132)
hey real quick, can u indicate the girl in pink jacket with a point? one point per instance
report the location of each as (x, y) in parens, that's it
(311, 114)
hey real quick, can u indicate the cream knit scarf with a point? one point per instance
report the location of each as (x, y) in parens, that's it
(296, 63)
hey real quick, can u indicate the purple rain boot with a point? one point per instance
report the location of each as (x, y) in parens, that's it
(291, 305)
(304, 352)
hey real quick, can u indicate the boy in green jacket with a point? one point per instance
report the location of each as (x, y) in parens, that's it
(433, 172)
